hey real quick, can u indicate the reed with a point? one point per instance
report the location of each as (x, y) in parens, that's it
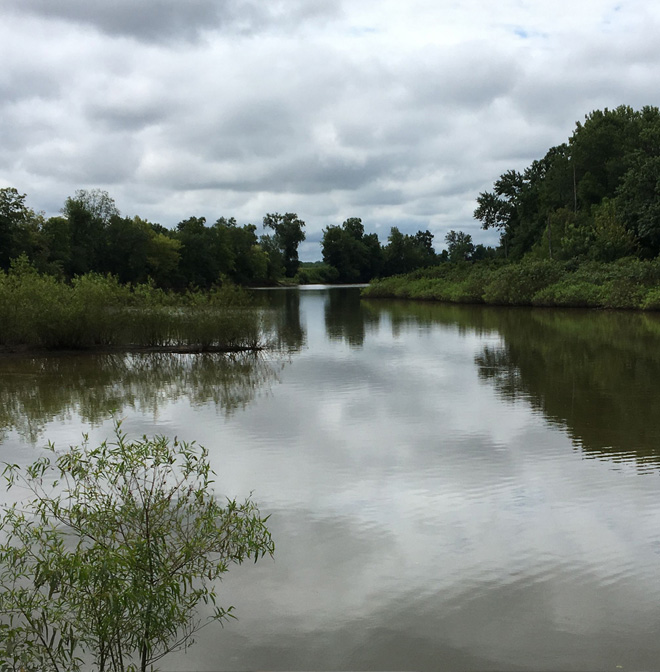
(38, 311)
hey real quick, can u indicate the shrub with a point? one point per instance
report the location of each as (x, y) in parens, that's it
(517, 284)
(569, 293)
(114, 552)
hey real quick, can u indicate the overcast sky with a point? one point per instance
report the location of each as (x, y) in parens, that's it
(396, 111)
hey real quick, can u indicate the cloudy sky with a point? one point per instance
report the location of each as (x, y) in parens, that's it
(396, 111)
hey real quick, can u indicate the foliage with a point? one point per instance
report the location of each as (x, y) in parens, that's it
(356, 256)
(627, 283)
(37, 310)
(113, 554)
(405, 253)
(459, 246)
(595, 197)
(289, 234)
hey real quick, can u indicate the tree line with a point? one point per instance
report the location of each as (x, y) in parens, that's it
(91, 235)
(595, 197)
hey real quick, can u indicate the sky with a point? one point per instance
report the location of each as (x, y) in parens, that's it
(396, 111)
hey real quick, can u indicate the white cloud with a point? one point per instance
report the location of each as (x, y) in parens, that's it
(399, 113)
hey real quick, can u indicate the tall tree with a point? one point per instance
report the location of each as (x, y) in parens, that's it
(288, 234)
(356, 256)
(459, 246)
(88, 213)
(19, 227)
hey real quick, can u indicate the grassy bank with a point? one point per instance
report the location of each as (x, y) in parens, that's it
(38, 311)
(627, 283)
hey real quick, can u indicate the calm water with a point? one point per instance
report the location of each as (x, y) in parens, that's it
(451, 488)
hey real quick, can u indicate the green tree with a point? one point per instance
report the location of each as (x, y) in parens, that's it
(459, 246)
(126, 249)
(163, 257)
(205, 251)
(404, 253)
(356, 256)
(89, 213)
(57, 235)
(19, 227)
(288, 234)
(113, 554)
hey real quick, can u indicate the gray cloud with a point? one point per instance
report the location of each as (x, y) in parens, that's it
(399, 114)
(162, 20)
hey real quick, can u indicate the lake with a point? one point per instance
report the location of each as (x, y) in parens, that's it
(451, 487)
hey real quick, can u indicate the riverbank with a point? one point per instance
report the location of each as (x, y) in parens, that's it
(625, 284)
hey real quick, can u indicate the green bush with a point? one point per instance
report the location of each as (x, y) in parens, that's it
(651, 301)
(112, 552)
(516, 284)
(569, 293)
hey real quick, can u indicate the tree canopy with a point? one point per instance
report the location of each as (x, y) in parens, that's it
(595, 197)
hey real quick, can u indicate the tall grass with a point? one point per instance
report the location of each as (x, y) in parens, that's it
(627, 283)
(39, 311)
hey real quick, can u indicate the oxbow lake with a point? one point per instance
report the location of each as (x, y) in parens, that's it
(451, 487)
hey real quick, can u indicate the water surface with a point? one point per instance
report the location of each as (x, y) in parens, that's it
(451, 487)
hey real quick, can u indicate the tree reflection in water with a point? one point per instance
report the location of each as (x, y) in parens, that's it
(37, 390)
(594, 373)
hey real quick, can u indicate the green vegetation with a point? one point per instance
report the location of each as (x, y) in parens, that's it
(596, 197)
(580, 227)
(92, 236)
(113, 553)
(39, 311)
(627, 283)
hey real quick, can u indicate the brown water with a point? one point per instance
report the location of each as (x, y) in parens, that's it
(451, 487)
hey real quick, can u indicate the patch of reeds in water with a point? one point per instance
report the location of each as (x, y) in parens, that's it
(39, 311)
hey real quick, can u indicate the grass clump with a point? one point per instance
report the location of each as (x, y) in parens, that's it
(626, 283)
(39, 311)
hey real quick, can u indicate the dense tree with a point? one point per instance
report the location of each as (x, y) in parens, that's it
(19, 227)
(126, 249)
(205, 252)
(404, 253)
(459, 246)
(356, 256)
(88, 213)
(596, 197)
(288, 234)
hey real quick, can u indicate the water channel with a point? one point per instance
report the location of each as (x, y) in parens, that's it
(450, 487)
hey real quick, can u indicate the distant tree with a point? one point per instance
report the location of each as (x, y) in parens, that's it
(249, 263)
(356, 256)
(459, 246)
(593, 197)
(19, 227)
(499, 209)
(404, 253)
(88, 213)
(288, 234)
(56, 232)
(127, 247)
(163, 257)
(274, 259)
(205, 252)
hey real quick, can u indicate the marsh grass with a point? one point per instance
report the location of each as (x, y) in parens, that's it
(38, 311)
(627, 284)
